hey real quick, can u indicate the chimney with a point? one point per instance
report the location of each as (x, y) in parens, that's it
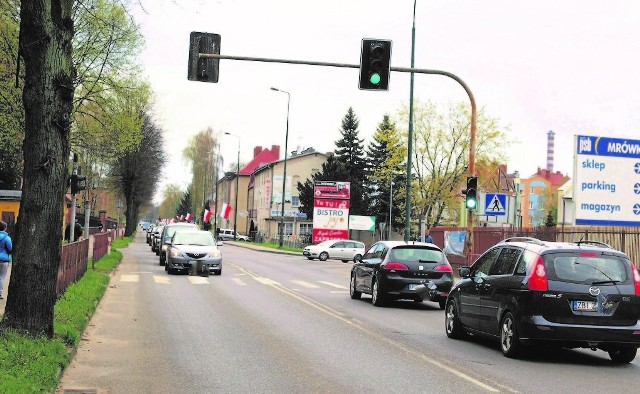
(550, 142)
(256, 151)
(275, 149)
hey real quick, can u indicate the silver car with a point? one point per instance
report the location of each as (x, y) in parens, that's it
(338, 249)
(193, 247)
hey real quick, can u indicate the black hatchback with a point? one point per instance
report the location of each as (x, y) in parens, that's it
(393, 270)
(574, 295)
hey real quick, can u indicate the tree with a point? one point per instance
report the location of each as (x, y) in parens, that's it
(185, 203)
(350, 154)
(441, 156)
(135, 180)
(200, 153)
(386, 155)
(171, 197)
(46, 31)
(550, 220)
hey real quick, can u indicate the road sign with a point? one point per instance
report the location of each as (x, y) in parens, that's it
(367, 223)
(495, 204)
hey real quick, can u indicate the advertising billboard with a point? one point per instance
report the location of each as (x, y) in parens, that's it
(330, 211)
(332, 189)
(606, 186)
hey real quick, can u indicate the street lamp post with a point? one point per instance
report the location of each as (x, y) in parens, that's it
(284, 176)
(235, 212)
(407, 220)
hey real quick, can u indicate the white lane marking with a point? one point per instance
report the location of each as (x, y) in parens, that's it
(265, 281)
(333, 285)
(130, 278)
(198, 280)
(339, 292)
(305, 284)
(161, 279)
(239, 281)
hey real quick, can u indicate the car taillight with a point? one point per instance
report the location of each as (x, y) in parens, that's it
(636, 278)
(394, 265)
(442, 268)
(537, 279)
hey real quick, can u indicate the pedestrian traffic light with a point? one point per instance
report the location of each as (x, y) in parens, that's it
(203, 69)
(471, 201)
(78, 182)
(375, 64)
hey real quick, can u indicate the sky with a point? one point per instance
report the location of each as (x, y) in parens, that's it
(568, 66)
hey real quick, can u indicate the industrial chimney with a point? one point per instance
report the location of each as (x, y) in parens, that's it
(550, 142)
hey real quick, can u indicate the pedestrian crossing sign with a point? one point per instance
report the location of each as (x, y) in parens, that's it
(495, 204)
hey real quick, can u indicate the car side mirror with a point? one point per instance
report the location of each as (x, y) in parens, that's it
(167, 241)
(357, 258)
(465, 272)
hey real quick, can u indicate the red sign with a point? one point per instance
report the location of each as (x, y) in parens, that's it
(321, 234)
(337, 204)
(332, 189)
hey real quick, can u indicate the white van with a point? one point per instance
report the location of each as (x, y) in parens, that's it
(226, 234)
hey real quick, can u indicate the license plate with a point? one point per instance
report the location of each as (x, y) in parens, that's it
(412, 287)
(585, 306)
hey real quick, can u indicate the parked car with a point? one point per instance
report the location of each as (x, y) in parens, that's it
(226, 234)
(525, 291)
(167, 233)
(150, 233)
(190, 247)
(337, 249)
(392, 270)
(155, 238)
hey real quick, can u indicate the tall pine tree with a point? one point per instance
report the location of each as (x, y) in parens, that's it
(350, 154)
(386, 155)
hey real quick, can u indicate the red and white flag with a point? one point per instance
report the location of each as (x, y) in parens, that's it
(181, 218)
(188, 217)
(225, 211)
(207, 216)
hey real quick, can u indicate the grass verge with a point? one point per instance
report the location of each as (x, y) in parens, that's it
(32, 365)
(275, 246)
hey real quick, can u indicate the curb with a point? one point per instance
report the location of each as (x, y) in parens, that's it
(247, 245)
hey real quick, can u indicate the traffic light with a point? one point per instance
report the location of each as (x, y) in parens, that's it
(375, 64)
(471, 201)
(203, 69)
(78, 182)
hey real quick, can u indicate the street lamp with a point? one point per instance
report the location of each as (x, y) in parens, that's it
(284, 176)
(235, 212)
(407, 220)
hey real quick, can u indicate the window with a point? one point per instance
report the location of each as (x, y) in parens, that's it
(506, 261)
(482, 266)
(288, 228)
(526, 262)
(305, 228)
(295, 201)
(532, 190)
(530, 205)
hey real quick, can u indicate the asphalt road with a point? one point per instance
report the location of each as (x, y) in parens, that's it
(281, 323)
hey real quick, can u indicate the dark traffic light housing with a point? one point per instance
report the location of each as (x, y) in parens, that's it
(471, 202)
(203, 69)
(375, 64)
(78, 182)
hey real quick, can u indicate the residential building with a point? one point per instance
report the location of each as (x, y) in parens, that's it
(540, 193)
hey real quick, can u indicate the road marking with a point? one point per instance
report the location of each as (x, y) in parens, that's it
(239, 281)
(130, 278)
(305, 284)
(333, 285)
(198, 280)
(451, 368)
(339, 292)
(161, 279)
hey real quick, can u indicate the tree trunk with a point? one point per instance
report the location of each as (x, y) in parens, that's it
(46, 30)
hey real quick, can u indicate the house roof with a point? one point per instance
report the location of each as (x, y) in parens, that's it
(266, 156)
(555, 178)
(10, 194)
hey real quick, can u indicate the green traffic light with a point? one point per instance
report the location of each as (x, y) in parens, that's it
(374, 78)
(471, 204)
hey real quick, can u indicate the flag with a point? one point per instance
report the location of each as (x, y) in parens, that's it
(181, 218)
(207, 216)
(188, 217)
(225, 211)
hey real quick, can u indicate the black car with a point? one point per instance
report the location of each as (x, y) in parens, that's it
(575, 295)
(393, 270)
(155, 239)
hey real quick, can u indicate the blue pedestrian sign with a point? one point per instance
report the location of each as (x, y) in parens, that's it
(495, 204)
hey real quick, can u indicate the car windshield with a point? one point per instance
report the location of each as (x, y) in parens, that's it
(203, 238)
(172, 229)
(585, 268)
(416, 254)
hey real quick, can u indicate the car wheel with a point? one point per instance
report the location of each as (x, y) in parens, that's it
(622, 356)
(442, 303)
(452, 324)
(377, 295)
(323, 256)
(509, 339)
(162, 262)
(355, 294)
(310, 258)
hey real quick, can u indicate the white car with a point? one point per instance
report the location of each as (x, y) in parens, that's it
(337, 249)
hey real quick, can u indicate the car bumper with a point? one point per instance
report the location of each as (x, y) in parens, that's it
(538, 329)
(214, 265)
(433, 290)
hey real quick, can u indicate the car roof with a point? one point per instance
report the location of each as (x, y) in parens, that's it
(394, 244)
(542, 247)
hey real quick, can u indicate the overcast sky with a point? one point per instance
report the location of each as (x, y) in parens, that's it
(568, 66)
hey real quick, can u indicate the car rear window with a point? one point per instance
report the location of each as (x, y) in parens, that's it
(415, 254)
(585, 267)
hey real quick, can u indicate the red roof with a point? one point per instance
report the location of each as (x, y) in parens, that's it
(265, 156)
(555, 178)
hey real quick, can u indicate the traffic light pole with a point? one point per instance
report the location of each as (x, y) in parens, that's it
(471, 169)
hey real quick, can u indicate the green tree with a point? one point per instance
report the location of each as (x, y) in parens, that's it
(200, 153)
(387, 155)
(46, 32)
(171, 197)
(185, 203)
(441, 156)
(350, 154)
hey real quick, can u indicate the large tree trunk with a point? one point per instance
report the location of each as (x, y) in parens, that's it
(46, 30)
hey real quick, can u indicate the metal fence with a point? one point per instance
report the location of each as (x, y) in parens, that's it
(73, 264)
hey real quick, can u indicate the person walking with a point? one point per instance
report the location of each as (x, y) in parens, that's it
(427, 237)
(6, 247)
